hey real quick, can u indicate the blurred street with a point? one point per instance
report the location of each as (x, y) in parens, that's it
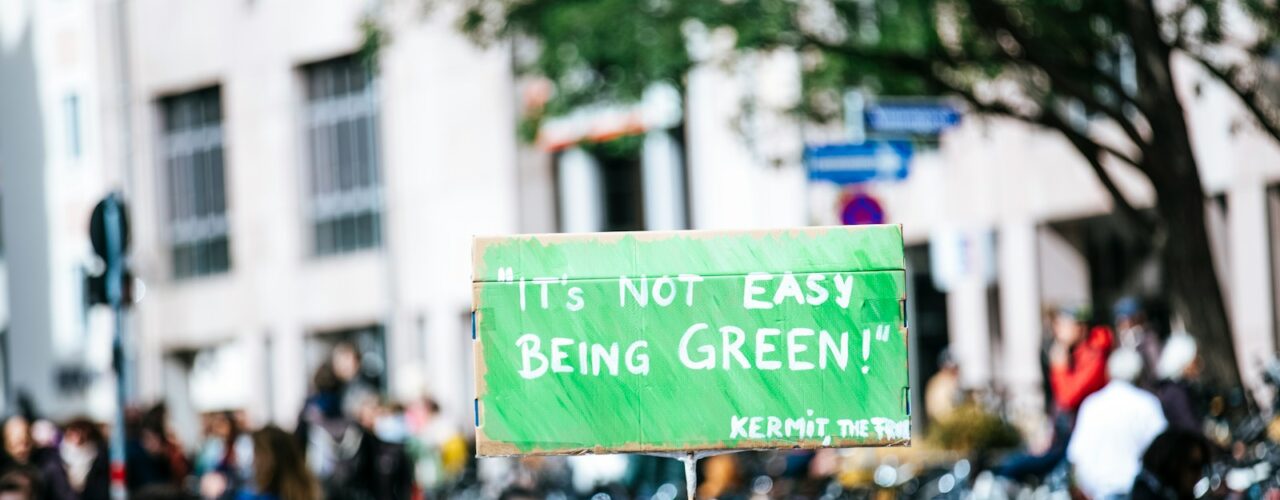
(261, 213)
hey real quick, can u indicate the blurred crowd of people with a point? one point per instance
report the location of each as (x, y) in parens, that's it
(43, 460)
(349, 443)
(359, 445)
(1127, 411)
(1128, 421)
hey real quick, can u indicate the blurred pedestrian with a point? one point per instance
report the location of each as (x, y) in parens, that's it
(720, 475)
(40, 466)
(152, 454)
(347, 368)
(325, 399)
(385, 433)
(337, 450)
(84, 467)
(18, 444)
(44, 434)
(220, 465)
(1172, 466)
(1077, 359)
(279, 470)
(18, 485)
(1136, 333)
(1178, 372)
(1075, 363)
(433, 446)
(1113, 429)
(942, 393)
(20, 467)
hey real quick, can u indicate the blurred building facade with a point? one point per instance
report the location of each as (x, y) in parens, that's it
(289, 197)
(60, 139)
(285, 196)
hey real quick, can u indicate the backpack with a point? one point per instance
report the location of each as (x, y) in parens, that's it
(337, 453)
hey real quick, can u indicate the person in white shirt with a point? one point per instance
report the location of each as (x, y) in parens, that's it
(1114, 427)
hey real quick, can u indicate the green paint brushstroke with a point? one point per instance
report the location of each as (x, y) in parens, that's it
(608, 255)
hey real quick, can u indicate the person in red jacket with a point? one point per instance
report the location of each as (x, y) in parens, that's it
(1077, 361)
(1077, 367)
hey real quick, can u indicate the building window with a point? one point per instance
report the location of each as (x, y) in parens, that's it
(71, 109)
(1273, 244)
(621, 183)
(342, 138)
(193, 166)
(1218, 225)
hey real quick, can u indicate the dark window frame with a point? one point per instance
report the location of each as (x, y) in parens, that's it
(194, 175)
(343, 156)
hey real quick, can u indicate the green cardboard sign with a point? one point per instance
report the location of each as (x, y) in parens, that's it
(690, 340)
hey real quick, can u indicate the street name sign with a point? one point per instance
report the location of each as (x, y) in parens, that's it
(851, 163)
(914, 118)
(690, 340)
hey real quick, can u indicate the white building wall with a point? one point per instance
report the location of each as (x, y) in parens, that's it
(744, 171)
(48, 53)
(662, 173)
(581, 192)
(1239, 160)
(447, 158)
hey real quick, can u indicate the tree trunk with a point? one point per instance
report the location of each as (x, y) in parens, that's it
(1170, 164)
(1191, 277)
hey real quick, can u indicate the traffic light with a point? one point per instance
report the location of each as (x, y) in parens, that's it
(96, 288)
(109, 233)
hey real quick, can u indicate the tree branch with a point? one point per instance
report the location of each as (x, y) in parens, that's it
(1093, 154)
(1112, 151)
(1248, 96)
(1089, 149)
(1062, 77)
(1150, 51)
(1005, 20)
(897, 62)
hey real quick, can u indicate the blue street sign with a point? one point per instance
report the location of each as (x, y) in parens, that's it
(919, 118)
(853, 163)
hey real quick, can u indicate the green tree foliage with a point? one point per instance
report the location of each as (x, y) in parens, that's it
(1077, 67)
(592, 51)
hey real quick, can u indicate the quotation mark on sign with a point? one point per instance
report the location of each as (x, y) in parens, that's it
(506, 274)
(882, 335)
